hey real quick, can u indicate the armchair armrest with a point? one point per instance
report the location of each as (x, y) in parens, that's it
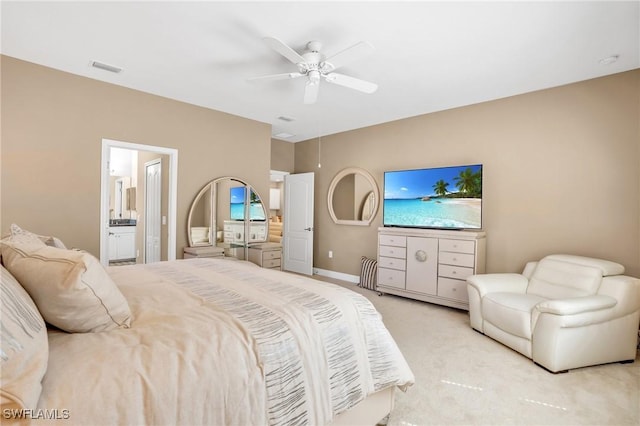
(491, 283)
(625, 289)
(576, 305)
(577, 312)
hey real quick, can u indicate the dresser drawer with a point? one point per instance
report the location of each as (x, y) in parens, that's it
(231, 236)
(392, 240)
(392, 263)
(457, 272)
(458, 246)
(391, 251)
(456, 259)
(271, 263)
(391, 278)
(272, 254)
(453, 289)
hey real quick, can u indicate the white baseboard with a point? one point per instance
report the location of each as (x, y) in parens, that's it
(337, 275)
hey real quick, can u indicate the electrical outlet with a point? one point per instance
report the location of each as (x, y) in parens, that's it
(330, 254)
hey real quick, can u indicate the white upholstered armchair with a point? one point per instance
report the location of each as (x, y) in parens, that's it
(563, 311)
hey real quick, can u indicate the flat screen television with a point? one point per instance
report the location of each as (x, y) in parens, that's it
(236, 201)
(439, 197)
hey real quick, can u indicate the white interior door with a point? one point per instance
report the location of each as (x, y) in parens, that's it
(298, 223)
(152, 211)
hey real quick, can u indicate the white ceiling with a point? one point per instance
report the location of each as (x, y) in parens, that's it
(429, 56)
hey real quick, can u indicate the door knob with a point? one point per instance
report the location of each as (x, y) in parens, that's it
(308, 229)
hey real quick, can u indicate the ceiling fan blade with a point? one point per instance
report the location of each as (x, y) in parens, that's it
(350, 54)
(351, 82)
(311, 92)
(284, 76)
(284, 50)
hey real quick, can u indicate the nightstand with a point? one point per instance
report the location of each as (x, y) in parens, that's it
(266, 255)
(203, 251)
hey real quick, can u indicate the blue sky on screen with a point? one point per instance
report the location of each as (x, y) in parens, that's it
(419, 182)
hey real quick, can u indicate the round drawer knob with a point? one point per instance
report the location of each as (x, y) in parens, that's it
(421, 256)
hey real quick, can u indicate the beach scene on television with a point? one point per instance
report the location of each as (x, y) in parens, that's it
(445, 197)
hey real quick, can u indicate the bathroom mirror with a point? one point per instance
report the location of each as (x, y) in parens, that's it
(228, 213)
(118, 203)
(353, 197)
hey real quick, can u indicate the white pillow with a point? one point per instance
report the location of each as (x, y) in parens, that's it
(71, 288)
(24, 349)
(22, 235)
(200, 234)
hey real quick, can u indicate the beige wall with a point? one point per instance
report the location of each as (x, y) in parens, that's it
(53, 124)
(282, 155)
(561, 165)
(561, 172)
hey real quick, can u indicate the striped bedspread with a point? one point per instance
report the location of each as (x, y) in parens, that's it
(317, 348)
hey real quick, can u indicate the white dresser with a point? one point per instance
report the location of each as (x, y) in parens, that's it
(234, 231)
(429, 265)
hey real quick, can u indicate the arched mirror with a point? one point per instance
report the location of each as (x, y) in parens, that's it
(228, 213)
(353, 197)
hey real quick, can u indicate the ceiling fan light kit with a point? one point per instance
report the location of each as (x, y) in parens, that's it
(315, 66)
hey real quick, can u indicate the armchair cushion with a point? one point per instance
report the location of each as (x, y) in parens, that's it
(556, 279)
(607, 267)
(511, 312)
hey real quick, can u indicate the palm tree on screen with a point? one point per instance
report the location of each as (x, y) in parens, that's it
(469, 183)
(440, 187)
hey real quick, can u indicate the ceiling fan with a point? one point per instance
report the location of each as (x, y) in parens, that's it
(313, 65)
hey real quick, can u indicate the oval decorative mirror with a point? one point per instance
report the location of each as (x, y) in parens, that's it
(353, 197)
(229, 213)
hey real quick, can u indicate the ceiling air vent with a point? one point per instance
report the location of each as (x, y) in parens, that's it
(106, 67)
(283, 135)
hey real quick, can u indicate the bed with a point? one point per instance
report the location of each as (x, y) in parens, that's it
(201, 341)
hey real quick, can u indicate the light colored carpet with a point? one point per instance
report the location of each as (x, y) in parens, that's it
(465, 378)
